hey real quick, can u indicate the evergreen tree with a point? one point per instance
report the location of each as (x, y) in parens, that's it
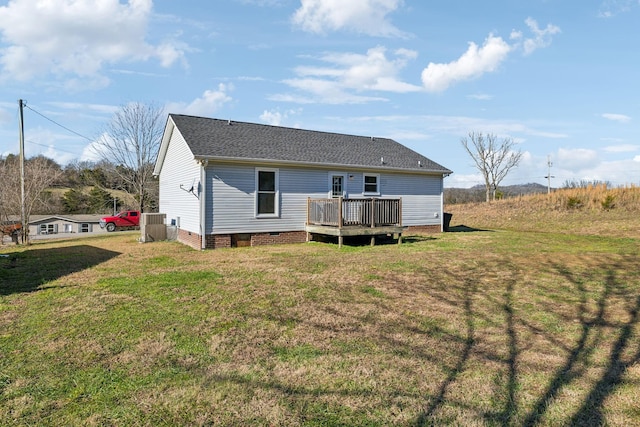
(75, 202)
(100, 200)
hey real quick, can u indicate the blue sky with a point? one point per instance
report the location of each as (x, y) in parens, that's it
(559, 77)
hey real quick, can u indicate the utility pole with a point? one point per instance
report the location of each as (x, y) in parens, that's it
(549, 176)
(23, 215)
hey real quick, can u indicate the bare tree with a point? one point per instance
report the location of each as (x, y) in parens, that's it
(131, 142)
(40, 173)
(493, 158)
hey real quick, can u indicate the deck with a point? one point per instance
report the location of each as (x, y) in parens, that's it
(354, 217)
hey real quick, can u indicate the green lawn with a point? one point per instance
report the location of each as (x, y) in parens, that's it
(464, 328)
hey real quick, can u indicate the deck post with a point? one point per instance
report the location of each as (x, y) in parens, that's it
(340, 222)
(373, 213)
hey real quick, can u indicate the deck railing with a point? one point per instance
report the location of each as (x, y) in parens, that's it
(340, 212)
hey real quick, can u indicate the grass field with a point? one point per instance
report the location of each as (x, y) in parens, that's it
(498, 327)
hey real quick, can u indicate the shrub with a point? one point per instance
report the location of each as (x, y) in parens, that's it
(609, 202)
(574, 202)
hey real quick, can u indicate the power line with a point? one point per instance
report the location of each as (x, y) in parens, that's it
(58, 124)
(50, 146)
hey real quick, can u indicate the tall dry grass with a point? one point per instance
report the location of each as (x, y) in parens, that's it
(597, 210)
(598, 197)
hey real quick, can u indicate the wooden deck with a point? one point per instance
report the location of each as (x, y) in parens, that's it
(354, 217)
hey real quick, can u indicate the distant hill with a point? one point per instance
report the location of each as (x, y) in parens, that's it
(477, 193)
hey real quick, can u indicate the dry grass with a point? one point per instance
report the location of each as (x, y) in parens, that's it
(477, 328)
(593, 210)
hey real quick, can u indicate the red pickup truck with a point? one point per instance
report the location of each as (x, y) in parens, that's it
(124, 220)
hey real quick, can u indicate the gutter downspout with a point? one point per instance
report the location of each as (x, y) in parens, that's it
(203, 203)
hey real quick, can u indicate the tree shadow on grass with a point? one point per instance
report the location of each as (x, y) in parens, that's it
(416, 239)
(439, 398)
(463, 229)
(624, 351)
(600, 289)
(29, 270)
(579, 357)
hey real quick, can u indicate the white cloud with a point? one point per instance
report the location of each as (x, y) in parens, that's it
(473, 63)
(622, 148)
(276, 118)
(77, 107)
(210, 102)
(74, 40)
(542, 37)
(577, 159)
(618, 172)
(265, 3)
(360, 16)
(93, 151)
(347, 73)
(617, 117)
(477, 61)
(481, 97)
(611, 8)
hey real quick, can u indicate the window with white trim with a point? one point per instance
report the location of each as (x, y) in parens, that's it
(267, 193)
(48, 229)
(371, 184)
(85, 228)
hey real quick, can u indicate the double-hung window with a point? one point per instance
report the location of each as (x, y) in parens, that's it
(371, 184)
(267, 193)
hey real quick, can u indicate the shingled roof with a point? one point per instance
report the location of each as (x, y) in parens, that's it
(223, 139)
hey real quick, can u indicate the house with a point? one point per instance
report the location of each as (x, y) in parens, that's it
(47, 226)
(225, 183)
(61, 225)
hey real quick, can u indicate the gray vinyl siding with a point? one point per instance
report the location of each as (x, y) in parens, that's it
(180, 168)
(421, 197)
(421, 194)
(230, 197)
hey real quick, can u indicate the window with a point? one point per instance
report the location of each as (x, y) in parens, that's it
(84, 228)
(371, 184)
(48, 229)
(266, 192)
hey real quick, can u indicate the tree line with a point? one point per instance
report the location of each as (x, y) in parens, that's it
(127, 150)
(80, 187)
